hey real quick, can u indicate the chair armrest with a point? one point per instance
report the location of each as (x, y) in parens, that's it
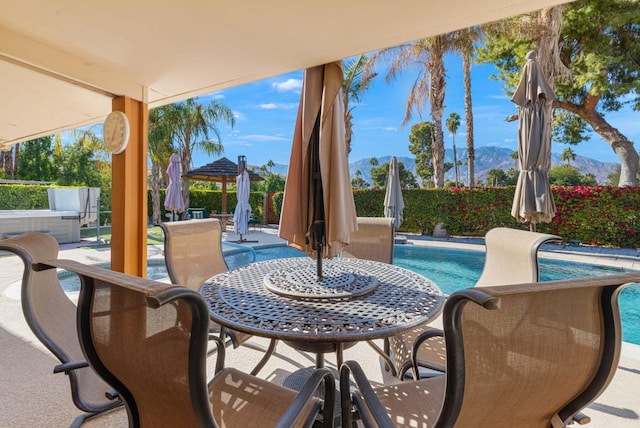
(69, 366)
(221, 351)
(422, 338)
(319, 376)
(373, 406)
(580, 418)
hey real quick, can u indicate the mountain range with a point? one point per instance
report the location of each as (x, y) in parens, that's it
(487, 158)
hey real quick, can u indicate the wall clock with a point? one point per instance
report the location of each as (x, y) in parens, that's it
(116, 132)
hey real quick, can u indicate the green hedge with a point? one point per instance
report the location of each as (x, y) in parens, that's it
(595, 215)
(34, 197)
(592, 214)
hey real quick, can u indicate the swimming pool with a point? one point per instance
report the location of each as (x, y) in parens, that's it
(450, 269)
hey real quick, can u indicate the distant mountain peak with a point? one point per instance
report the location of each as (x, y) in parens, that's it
(487, 158)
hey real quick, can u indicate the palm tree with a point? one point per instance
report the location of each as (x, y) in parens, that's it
(465, 45)
(515, 156)
(270, 165)
(429, 84)
(568, 155)
(194, 127)
(453, 123)
(160, 150)
(354, 85)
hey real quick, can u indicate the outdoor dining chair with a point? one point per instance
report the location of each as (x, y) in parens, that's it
(193, 254)
(51, 315)
(149, 340)
(519, 354)
(372, 241)
(511, 257)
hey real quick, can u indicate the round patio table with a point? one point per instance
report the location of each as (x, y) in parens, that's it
(356, 300)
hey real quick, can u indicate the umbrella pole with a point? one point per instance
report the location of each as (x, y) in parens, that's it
(319, 260)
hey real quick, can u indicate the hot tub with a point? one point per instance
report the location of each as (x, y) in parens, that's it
(63, 225)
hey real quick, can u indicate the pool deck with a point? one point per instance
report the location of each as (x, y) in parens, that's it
(30, 395)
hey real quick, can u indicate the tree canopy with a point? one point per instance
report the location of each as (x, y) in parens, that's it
(589, 49)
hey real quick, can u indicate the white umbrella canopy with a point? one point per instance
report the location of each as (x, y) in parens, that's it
(533, 202)
(243, 209)
(173, 200)
(318, 211)
(393, 202)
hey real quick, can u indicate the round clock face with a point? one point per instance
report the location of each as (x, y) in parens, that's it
(116, 132)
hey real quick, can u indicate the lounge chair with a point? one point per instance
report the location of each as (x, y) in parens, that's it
(520, 355)
(149, 340)
(51, 315)
(193, 254)
(511, 258)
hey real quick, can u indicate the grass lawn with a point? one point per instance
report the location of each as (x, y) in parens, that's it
(154, 234)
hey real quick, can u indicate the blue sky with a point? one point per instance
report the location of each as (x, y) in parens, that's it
(266, 112)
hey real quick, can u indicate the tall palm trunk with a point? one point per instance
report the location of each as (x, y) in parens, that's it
(468, 116)
(155, 192)
(436, 96)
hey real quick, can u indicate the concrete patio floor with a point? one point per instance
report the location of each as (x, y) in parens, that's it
(32, 396)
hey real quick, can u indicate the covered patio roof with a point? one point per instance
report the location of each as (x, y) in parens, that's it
(62, 62)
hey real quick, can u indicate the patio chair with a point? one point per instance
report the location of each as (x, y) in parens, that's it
(519, 354)
(193, 254)
(372, 241)
(149, 340)
(511, 257)
(51, 315)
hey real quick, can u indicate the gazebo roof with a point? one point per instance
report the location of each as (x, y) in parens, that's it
(219, 170)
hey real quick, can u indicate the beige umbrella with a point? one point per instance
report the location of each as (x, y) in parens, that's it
(318, 212)
(533, 201)
(393, 202)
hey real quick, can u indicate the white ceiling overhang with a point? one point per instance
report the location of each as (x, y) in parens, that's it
(62, 62)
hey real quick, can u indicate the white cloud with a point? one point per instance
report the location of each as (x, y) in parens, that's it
(239, 116)
(288, 85)
(263, 138)
(281, 106)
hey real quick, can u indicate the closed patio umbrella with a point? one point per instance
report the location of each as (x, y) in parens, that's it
(393, 202)
(533, 202)
(173, 200)
(318, 212)
(242, 211)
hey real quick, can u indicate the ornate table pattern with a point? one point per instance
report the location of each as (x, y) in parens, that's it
(357, 300)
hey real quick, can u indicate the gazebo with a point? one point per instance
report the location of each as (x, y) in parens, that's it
(222, 171)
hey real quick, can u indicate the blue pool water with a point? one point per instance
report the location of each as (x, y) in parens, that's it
(450, 269)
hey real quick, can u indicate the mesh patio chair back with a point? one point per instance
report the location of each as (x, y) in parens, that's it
(193, 251)
(149, 340)
(193, 254)
(51, 315)
(372, 241)
(523, 354)
(511, 257)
